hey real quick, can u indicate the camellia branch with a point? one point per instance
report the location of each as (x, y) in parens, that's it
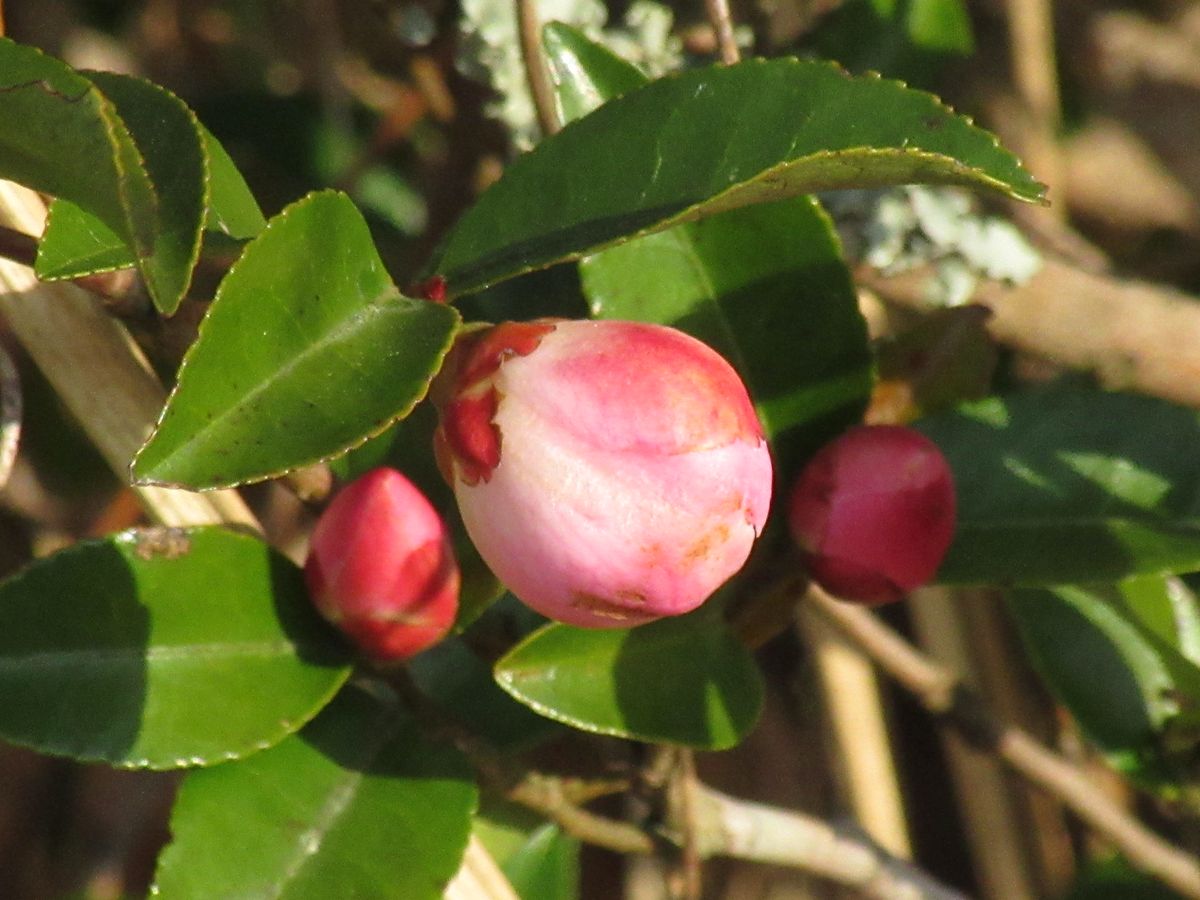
(727, 826)
(10, 414)
(529, 28)
(944, 695)
(722, 23)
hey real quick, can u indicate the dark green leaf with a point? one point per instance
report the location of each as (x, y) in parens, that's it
(541, 862)
(168, 137)
(307, 350)
(681, 681)
(1060, 486)
(1130, 689)
(356, 805)
(232, 209)
(909, 39)
(78, 243)
(60, 135)
(708, 140)
(161, 649)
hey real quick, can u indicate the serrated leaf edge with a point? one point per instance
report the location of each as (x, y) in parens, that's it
(712, 205)
(201, 331)
(290, 727)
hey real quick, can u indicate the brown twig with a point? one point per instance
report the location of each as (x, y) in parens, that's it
(942, 694)
(19, 247)
(1035, 73)
(1115, 329)
(684, 790)
(10, 414)
(529, 27)
(728, 826)
(722, 23)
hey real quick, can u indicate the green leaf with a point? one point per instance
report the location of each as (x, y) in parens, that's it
(162, 648)
(77, 243)
(1063, 485)
(763, 285)
(232, 209)
(1121, 681)
(60, 135)
(585, 74)
(168, 137)
(356, 805)
(307, 350)
(541, 862)
(910, 39)
(680, 681)
(709, 140)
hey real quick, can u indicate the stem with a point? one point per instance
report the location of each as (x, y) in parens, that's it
(746, 830)
(15, 245)
(722, 23)
(942, 694)
(10, 414)
(530, 30)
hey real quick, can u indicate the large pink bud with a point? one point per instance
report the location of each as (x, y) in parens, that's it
(609, 472)
(381, 569)
(874, 513)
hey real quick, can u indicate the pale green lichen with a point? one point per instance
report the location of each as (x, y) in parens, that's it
(903, 228)
(489, 50)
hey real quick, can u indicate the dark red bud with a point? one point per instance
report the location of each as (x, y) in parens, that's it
(381, 569)
(874, 513)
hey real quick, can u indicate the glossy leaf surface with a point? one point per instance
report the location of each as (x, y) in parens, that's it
(162, 648)
(51, 118)
(78, 243)
(1063, 485)
(168, 137)
(232, 209)
(356, 805)
(708, 140)
(681, 681)
(307, 350)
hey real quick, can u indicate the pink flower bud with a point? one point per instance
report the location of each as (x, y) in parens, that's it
(874, 513)
(381, 569)
(609, 472)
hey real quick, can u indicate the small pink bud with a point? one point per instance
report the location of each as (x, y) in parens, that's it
(609, 472)
(381, 569)
(874, 513)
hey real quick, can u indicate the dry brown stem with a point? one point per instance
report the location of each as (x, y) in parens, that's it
(529, 27)
(722, 23)
(943, 694)
(1129, 334)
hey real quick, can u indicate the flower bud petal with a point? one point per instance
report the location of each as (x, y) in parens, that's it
(380, 567)
(874, 513)
(609, 472)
